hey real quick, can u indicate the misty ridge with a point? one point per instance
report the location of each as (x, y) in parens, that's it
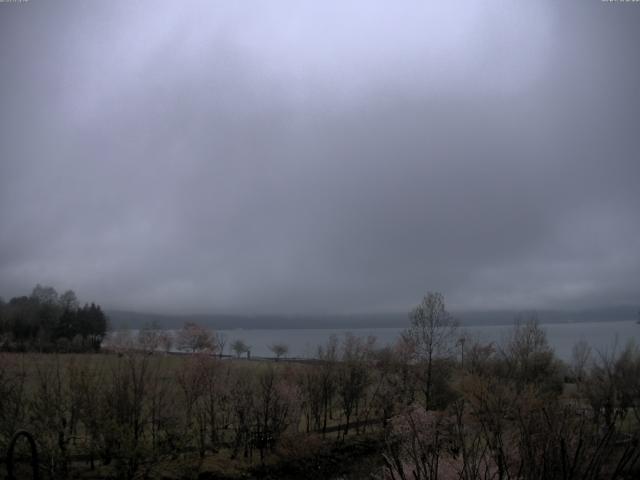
(120, 319)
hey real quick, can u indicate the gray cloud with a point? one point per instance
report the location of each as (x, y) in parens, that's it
(321, 156)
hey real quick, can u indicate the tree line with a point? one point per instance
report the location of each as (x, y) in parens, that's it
(46, 321)
(191, 338)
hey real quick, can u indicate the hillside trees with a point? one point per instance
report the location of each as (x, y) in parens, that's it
(46, 321)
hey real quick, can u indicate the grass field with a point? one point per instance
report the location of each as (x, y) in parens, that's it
(136, 415)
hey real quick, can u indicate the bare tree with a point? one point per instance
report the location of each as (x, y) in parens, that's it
(125, 413)
(69, 301)
(87, 385)
(242, 400)
(580, 356)
(45, 295)
(148, 338)
(310, 385)
(433, 333)
(418, 441)
(54, 409)
(165, 339)
(279, 350)
(529, 357)
(121, 340)
(240, 347)
(195, 338)
(274, 409)
(353, 375)
(328, 356)
(220, 340)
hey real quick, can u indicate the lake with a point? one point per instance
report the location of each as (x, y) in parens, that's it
(601, 336)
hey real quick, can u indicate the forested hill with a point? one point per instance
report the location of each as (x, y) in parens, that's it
(45, 321)
(120, 319)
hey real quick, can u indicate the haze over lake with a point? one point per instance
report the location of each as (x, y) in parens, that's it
(601, 336)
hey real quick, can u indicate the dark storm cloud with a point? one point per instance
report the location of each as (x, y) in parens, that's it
(321, 156)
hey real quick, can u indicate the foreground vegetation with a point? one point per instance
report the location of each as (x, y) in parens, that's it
(435, 405)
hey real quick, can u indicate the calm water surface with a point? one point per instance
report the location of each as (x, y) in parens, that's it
(602, 336)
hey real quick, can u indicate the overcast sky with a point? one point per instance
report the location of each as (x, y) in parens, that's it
(321, 156)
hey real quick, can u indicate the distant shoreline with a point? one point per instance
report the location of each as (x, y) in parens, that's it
(174, 324)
